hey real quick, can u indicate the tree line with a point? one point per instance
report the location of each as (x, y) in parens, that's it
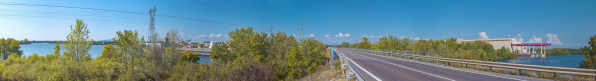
(562, 51)
(247, 55)
(10, 46)
(448, 48)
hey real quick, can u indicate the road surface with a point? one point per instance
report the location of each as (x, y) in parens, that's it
(377, 68)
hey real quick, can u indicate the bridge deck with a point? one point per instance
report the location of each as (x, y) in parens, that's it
(376, 67)
(201, 50)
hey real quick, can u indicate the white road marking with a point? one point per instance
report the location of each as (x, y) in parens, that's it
(465, 70)
(408, 68)
(364, 70)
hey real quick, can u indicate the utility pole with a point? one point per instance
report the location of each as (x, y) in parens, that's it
(152, 24)
(301, 28)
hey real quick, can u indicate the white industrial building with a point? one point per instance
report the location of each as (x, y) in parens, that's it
(497, 43)
(513, 45)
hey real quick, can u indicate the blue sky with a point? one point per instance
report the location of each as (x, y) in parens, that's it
(569, 22)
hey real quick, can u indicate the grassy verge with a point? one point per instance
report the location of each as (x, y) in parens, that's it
(327, 74)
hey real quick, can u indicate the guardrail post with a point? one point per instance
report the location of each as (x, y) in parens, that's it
(519, 72)
(554, 76)
(490, 68)
(428, 56)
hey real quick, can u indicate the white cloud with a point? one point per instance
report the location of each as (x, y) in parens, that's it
(201, 36)
(417, 38)
(462, 35)
(329, 38)
(578, 44)
(218, 35)
(212, 35)
(426, 39)
(340, 35)
(312, 35)
(327, 35)
(460, 39)
(552, 38)
(380, 36)
(181, 33)
(101, 28)
(371, 36)
(535, 40)
(483, 35)
(402, 37)
(520, 38)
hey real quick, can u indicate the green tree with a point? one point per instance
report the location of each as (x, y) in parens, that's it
(258, 46)
(590, 58)
(239, 41)
(345, 44)
(354, 45)
(220, 52)
(9, 46)
(108, 52)
(364, 44)
(295, 60)
(76, 47)
(57, 49)
(129, 49)
(190, 57)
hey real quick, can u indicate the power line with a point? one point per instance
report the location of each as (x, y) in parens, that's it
(24, 4)
(189, 12)
(46, 16)
(3, 3)
(232, 11)
(137, 4)
(25, 16)
(96, 15)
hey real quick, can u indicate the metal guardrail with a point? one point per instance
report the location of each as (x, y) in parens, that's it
(351, 70)
(555, 70)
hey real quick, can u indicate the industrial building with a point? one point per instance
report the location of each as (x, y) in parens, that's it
(523, 49)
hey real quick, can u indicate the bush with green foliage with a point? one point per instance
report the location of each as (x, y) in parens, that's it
(247, 55)
(589, 61)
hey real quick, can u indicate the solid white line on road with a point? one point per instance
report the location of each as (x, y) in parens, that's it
(364, 70)
(408, 68)
(464, 70)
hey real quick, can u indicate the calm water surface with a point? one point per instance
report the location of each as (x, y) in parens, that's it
(570, 61)
(45, 48)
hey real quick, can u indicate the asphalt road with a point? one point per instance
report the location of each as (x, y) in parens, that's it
(377, 68)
